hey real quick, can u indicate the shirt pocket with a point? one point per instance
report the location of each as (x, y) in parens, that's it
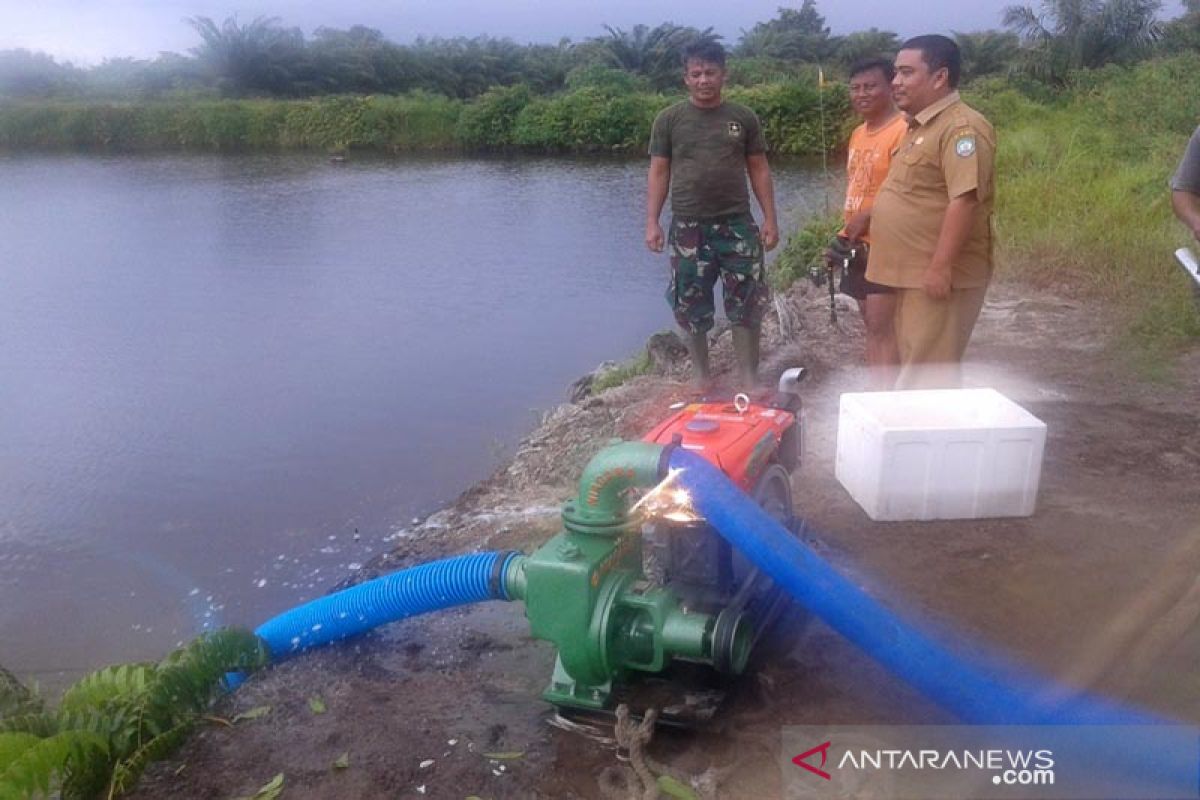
(919, 154)
(918, 164)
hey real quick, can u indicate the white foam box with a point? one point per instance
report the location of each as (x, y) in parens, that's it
(939, 454)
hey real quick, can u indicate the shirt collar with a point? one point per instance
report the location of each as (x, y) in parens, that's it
(929, 112)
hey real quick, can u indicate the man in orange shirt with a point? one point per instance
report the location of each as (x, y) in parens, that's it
(871, 147)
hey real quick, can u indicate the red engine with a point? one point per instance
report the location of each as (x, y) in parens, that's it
(740, 437)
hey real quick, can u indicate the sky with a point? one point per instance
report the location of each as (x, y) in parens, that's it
(88, 31)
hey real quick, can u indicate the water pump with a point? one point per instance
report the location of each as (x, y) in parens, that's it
(634, 581)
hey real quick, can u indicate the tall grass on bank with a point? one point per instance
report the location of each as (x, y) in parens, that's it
(1082, 199)
(408, 122)
(602, 115)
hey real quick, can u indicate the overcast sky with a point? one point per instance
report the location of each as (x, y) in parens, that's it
(87, 31)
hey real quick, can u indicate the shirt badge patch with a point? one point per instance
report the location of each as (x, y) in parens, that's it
(735, 129)
(965, 146)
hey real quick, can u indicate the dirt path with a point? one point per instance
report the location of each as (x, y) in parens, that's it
(1099, 587)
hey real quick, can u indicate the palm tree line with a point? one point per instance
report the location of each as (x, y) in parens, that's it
(264, 57)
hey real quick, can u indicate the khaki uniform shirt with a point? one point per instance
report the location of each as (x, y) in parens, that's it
(949, 150)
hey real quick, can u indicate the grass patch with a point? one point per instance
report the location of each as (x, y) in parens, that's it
(623, 372)
(802, 251)
(1082, 199)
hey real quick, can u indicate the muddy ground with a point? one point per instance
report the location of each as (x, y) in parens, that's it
(1098, 588)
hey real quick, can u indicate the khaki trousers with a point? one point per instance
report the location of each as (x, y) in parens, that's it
(932, 336)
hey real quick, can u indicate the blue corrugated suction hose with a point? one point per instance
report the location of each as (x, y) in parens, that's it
(417, 590)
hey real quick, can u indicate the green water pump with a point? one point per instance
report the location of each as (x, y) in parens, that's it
(586, 591)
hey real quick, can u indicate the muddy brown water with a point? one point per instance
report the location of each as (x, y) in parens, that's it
(227, 380)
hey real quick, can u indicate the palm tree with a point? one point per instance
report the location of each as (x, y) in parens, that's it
(987, 52)
(796, 34)
(872, 43)
(348, 61)
(545, 67)
(258, 56)
(1075, 34)
(653, 53)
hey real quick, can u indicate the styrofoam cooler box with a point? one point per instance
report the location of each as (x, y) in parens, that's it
(939, 454)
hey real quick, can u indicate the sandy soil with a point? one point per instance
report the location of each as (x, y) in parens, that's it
(1098, 588)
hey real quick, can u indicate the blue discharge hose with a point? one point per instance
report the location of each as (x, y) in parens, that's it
(997, 694)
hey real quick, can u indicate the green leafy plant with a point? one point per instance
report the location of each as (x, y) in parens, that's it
(799, 118)
(111, 724)
(487, 122)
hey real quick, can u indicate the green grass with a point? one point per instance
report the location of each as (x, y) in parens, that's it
(1082, 197)
(623, 372)
(406, 122)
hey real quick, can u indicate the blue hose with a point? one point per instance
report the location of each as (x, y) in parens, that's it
(961, 687)
(417, 590)
(999, 695)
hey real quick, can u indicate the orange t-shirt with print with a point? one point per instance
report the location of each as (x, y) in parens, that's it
(867, 164)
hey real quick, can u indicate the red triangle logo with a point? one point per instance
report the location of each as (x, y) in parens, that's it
(823, 749)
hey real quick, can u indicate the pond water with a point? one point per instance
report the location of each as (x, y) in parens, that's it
(225, 380)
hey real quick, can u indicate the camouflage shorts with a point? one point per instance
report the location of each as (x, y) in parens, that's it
(703, 251)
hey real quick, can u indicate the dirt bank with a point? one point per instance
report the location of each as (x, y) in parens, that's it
(1096, 587)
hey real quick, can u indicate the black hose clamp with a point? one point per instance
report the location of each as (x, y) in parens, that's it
(496, 578)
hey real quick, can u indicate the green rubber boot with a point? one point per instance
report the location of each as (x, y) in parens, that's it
(745, 347)
(697, 346)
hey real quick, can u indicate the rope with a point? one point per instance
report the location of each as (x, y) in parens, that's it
(639, 780)
(634, 736)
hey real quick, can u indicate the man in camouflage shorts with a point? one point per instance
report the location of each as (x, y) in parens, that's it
(700, 252)
(701, 152)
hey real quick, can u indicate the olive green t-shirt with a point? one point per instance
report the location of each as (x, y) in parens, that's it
(708, 149)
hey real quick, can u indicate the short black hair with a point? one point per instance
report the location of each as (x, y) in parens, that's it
(938, 51)
(705, 50)
(867, 64)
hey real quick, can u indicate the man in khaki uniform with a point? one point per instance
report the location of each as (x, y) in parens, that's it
(931, 223)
